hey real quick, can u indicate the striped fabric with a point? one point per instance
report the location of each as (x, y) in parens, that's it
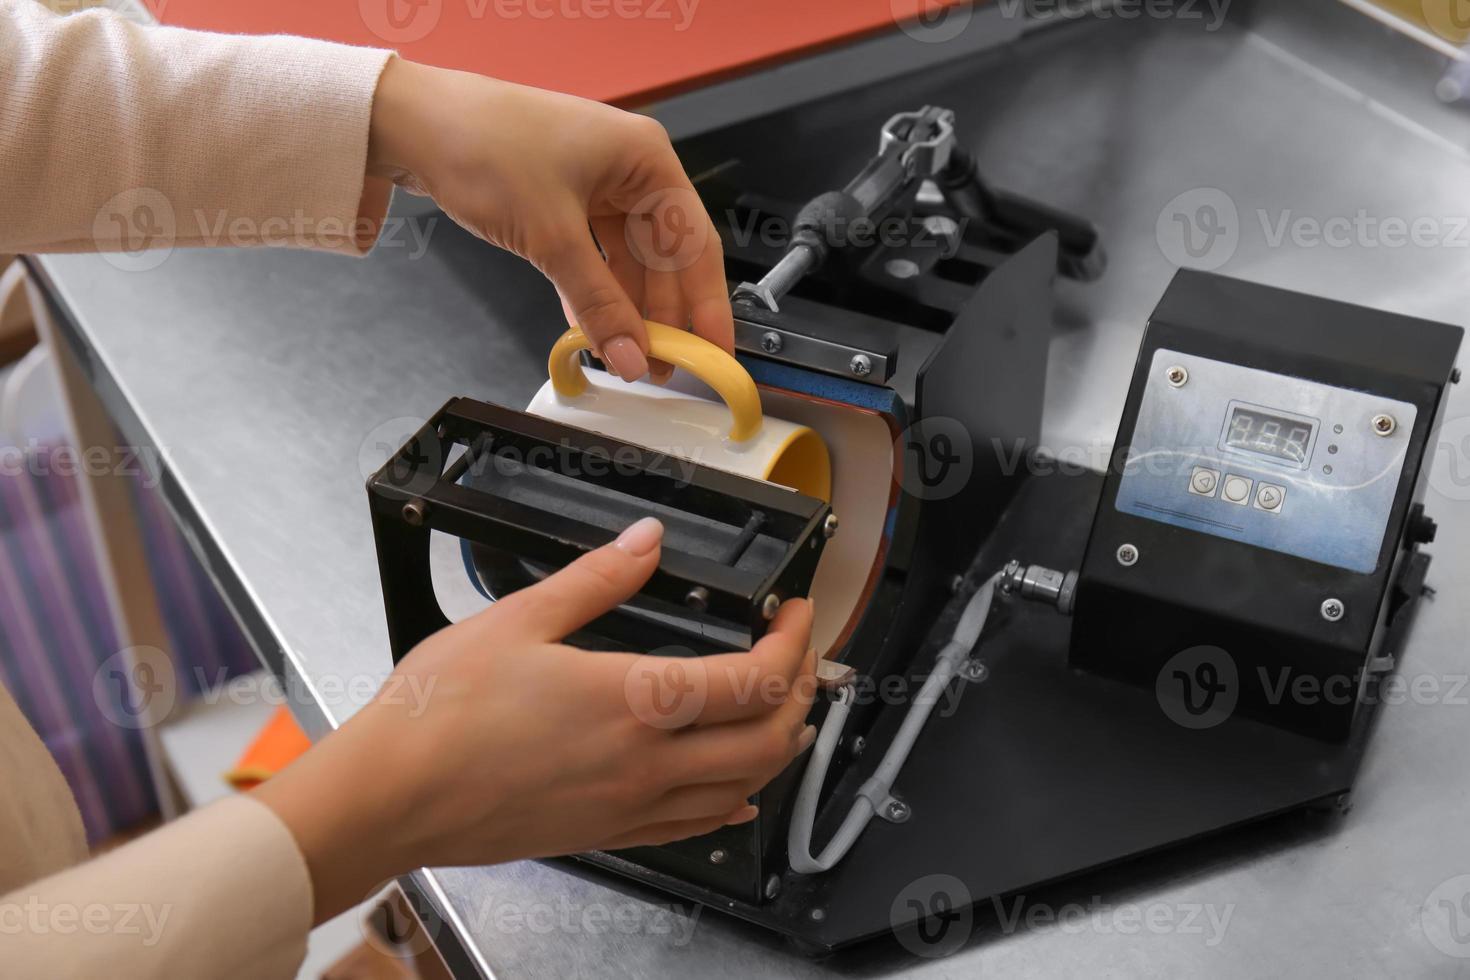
(55, 630)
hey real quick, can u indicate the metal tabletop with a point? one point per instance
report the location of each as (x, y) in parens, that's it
(270, 382)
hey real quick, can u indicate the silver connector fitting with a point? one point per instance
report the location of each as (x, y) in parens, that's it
(1040, 585)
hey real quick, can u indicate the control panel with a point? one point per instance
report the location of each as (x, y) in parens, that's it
(1279, 462)
(1264, 509)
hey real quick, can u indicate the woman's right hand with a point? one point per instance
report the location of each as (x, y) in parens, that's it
(517, 746)
(531, 171)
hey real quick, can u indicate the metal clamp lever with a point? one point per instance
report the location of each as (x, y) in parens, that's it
(912, 146)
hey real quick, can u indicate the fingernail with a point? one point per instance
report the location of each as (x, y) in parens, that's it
(743, 815)
(641, 537)
(625, 357)
(806, 738)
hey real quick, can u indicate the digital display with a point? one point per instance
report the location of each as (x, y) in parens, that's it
(1268, 434)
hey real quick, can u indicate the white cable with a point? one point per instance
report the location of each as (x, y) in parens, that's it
(876, 790)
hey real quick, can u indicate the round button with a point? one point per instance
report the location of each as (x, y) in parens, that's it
(1237, 488)
(1204, 481)
(1270, 498)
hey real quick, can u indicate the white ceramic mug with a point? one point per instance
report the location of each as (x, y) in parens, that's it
(736, 436)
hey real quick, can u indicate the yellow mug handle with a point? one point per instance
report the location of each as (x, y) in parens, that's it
(680, 348)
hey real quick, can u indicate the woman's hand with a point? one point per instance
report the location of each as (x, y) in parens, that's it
(518, 746)
(531, 171)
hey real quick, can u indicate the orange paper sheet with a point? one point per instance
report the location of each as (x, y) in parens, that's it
(628, 52)
(279, 744)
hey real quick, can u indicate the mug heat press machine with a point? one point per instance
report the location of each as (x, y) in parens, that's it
(1262, 516)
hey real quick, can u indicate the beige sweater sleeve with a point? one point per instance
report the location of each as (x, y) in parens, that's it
(222, 892)
(119, 136)
(116, 136)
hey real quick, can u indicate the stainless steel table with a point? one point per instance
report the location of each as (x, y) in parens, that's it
(269, 381)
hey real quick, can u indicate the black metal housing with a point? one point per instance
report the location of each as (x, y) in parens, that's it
(1131, 620)
(480, 497)
(527, 493)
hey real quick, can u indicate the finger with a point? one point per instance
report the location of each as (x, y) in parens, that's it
(701, 801)
(601, 306)
(667, 833)
(626, 268)
(662, 299)
(707, 294)
(666, 198)
(597, 582)
(755, 750)
(740, 686)
(665, 304)
(752, 752)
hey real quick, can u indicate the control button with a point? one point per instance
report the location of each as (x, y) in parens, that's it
(1203, 481)
(1237, 489)
(1270, 497)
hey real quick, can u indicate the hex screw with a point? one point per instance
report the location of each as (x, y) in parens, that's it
(771, 342)
(861, 365)
(829, 526)
(1127, 555)
(817, 915)
(717, 856)
(769, 605)
(697, 598)
(1332, 610)
(773, 886)
(414, 513)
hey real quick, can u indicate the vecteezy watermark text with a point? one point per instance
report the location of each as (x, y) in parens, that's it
(406, 21)
(42, 459)
(1203, 228)
(1203, 919)
(1211, 13)
(35, 916)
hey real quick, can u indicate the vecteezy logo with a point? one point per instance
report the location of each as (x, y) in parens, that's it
(933, 916)
(1445, 917)
(400, 21)
(1450, 19)
(398, 924)
(932, 21)
(1199, 687)
(937, 458)
(135, 688)
(1449, 474)
(667, 231)
(1199, 229)
(667, 689)
(135, 230)
(385, 439)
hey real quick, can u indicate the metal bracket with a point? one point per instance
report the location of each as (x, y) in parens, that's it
(802, 350)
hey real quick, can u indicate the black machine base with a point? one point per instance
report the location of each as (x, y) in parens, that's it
(1039, 772)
